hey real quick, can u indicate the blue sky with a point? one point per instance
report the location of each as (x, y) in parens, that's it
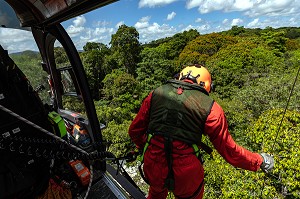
(156, 19)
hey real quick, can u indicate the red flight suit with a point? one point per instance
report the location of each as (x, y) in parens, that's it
(188, 171)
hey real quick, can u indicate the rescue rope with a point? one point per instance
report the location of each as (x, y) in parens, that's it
(290, 95)
(280, 124)
(90, 183)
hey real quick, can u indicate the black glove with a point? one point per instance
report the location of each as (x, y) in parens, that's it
(268, 162)
(132, 155)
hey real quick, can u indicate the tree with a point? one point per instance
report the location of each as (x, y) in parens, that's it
(237, 65)
(154, 69)
(204, 46)
(276, 40)
(94, 63)
(61, 58)
(237, 30)
(282, 141)
(292, 33)
(125, 45)
(120, 88)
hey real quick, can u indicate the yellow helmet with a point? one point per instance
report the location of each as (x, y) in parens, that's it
(198, 74)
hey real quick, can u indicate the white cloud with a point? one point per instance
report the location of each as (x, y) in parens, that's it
(155, 31)
(253, 23)
(79, 21)
(119, 24)
(154, 3)
(101, 23)
(171, 16)
(15, 40)
(103, 30)
(251, 8)
(274, 8)
(77, 27)
(225, 21)
(236, 22)
(201, 29)
(198, 20)
(145, 19)
(74, 31)
(142, 23)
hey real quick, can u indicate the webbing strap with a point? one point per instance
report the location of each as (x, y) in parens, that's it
(196, 149)
(142, 158)
(169, 182)
(146, 146)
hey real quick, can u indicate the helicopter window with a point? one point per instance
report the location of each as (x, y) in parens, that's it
(28, 60)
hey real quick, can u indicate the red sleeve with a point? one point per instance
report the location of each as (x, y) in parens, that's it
(216, 129)
(139, 126)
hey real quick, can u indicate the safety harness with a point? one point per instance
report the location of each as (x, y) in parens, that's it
(170, 119)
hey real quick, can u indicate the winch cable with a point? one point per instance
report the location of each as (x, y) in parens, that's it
(280, 124)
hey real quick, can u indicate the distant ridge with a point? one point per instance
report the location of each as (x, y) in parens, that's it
(26, 52)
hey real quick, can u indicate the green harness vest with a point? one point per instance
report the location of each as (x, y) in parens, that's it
(178, 112)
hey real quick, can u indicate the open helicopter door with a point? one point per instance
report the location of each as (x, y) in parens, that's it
(43, 18)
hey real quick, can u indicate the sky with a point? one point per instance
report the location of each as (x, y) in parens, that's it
(155, 19)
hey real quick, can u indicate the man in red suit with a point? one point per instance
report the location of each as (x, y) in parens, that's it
(170, 123)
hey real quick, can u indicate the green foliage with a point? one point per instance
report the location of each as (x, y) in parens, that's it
(61, 58)
(238, 117)
(237, 65)
(292, 44)
(154, 68)
(283, 141)
(126, 47)
(276, 40)
(185, 37)
(93, 59)
(74, 104)
(120, 88)
(204, 46)
(117, 83)
(30, 64)
(268, 92)
(117, 134)
(237, 30)
(292, 33)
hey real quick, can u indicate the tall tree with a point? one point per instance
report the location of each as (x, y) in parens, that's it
(125, 45)
(93, 60)
(276, 40)
(204, 46)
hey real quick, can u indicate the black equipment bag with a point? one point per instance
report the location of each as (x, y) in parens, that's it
(22, 174)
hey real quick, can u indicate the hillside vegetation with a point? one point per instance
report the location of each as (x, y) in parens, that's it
(253, 72)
